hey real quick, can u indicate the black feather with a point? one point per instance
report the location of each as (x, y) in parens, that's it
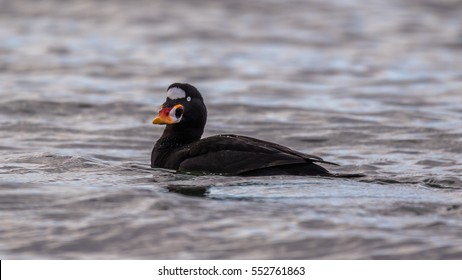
(180, 148)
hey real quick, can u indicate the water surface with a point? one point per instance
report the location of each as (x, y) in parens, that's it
(376, 88)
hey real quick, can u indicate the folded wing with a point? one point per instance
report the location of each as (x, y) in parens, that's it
(233, 155)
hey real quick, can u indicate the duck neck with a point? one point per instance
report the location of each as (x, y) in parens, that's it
(174, 137)
(178, 135)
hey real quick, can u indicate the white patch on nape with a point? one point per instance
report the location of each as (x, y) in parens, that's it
(175, 93)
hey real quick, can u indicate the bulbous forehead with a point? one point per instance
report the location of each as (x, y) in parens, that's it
(182, 90)
(175, 93)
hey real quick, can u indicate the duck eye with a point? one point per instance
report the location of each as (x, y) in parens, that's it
(178, 113)
(188, 98)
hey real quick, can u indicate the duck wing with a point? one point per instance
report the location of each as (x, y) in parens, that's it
(285, 149)
(234, 155)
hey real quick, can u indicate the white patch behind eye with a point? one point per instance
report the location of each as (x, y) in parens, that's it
(175, 93)
(172, 115)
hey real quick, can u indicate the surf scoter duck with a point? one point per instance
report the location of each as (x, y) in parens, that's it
(181, 148)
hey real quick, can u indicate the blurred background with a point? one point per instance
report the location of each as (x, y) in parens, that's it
(373, 85)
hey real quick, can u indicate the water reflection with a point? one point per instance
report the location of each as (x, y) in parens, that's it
(195, 191)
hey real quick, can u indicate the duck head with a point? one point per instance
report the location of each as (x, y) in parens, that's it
(184, 112)
(184, 104)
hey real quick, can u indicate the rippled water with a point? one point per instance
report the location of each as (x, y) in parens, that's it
(376, 88)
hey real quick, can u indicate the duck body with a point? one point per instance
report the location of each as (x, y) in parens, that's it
(181, 148)
(235, 155)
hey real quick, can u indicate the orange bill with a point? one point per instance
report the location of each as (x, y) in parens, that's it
(166, 115)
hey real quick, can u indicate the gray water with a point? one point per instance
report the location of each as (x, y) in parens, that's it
(375, 86)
